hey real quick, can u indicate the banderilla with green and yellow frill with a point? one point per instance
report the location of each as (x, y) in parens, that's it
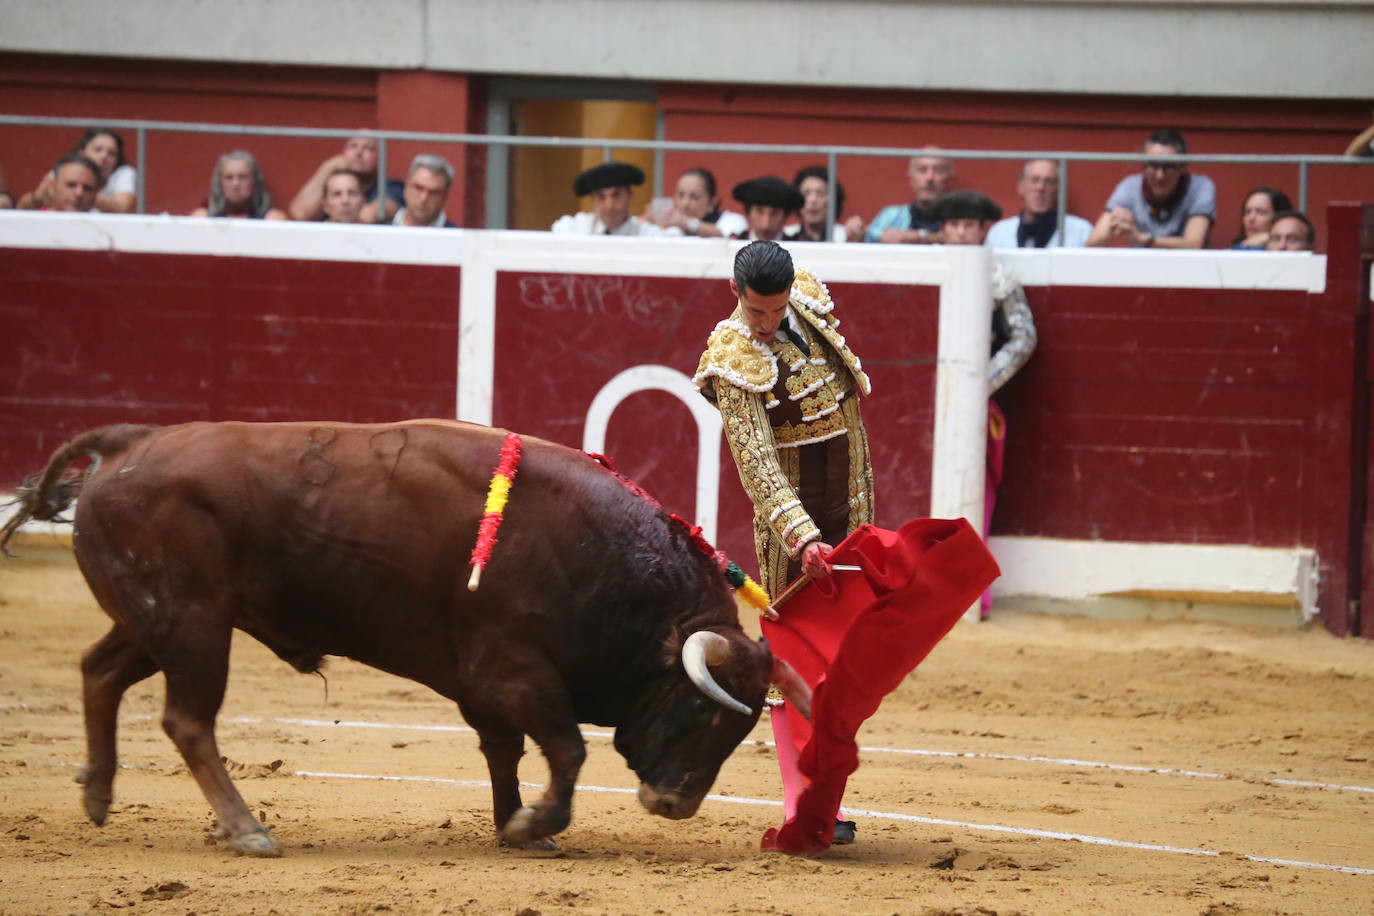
(498, 492)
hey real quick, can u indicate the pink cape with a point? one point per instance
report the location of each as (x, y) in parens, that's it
(854, 638)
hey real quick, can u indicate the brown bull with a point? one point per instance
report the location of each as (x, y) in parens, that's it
(337, 539)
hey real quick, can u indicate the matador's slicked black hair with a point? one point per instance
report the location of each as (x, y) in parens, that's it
(764, 267)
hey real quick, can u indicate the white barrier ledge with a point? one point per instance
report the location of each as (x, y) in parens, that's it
(1115, 268)
(1219, 574)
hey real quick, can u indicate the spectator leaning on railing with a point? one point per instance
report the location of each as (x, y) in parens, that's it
(1165, 206)
(696, 208)
(360, 155)
(913, 223)
(75, 181)
(1363, 144)
(118, 187)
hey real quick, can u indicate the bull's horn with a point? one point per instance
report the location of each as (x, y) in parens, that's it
(792, 686)
(701, 650)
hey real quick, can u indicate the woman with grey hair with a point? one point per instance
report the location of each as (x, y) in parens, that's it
(237, 189)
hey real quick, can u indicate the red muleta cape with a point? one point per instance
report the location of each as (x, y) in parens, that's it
(855, 637)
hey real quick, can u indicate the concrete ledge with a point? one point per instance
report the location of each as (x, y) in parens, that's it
(1157, 581)
(1121, 608)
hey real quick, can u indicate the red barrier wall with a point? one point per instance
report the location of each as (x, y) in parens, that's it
(1183, 416)
(1220, 416)
(1204, 417)
(1186, 413)
(102, 337)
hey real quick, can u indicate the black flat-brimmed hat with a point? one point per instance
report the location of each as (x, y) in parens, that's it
(966, 205)
(608, 175)
(769, 191)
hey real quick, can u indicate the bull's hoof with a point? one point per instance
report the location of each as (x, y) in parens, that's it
(532, 823)
(520, 829)
(97, 807)
(80, 777)
(255, 843)
(543, 844)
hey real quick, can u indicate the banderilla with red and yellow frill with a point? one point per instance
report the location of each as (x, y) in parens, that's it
(498, 492)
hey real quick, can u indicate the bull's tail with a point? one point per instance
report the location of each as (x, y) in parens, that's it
(45, 496)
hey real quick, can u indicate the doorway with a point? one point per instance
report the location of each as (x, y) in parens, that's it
(530, 187)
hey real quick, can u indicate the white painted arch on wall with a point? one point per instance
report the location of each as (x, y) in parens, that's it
(707, 417)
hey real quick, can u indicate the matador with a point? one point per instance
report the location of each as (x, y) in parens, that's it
(788, 388)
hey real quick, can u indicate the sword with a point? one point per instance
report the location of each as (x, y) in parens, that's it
(797, 585)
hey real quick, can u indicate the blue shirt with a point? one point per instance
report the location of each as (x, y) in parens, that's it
(1200, 199)
(897, 216)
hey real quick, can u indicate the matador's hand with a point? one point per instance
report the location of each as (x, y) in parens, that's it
(813, 560)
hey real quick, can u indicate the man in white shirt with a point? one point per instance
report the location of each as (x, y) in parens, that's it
(1037, 225)
(769, 202)
(426, 191)
(608, 185)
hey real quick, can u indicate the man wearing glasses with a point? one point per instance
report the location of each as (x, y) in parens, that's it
(1165, 206)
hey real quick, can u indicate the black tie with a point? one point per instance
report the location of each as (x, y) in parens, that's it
(795, 337)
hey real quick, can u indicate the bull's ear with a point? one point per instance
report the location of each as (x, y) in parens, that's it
(671, 649)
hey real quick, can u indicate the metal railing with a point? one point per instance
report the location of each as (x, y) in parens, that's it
(140, 128)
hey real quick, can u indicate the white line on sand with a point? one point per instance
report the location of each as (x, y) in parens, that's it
(885, 815)
(859, 812)
(916, 752)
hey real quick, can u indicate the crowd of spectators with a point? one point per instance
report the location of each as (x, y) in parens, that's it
(1164, 205)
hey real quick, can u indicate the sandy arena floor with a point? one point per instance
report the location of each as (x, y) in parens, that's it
(1032, 765)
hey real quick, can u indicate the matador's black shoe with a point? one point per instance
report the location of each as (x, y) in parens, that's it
(844, 833)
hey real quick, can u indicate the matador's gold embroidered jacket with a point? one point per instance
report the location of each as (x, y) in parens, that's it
(794, 427)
